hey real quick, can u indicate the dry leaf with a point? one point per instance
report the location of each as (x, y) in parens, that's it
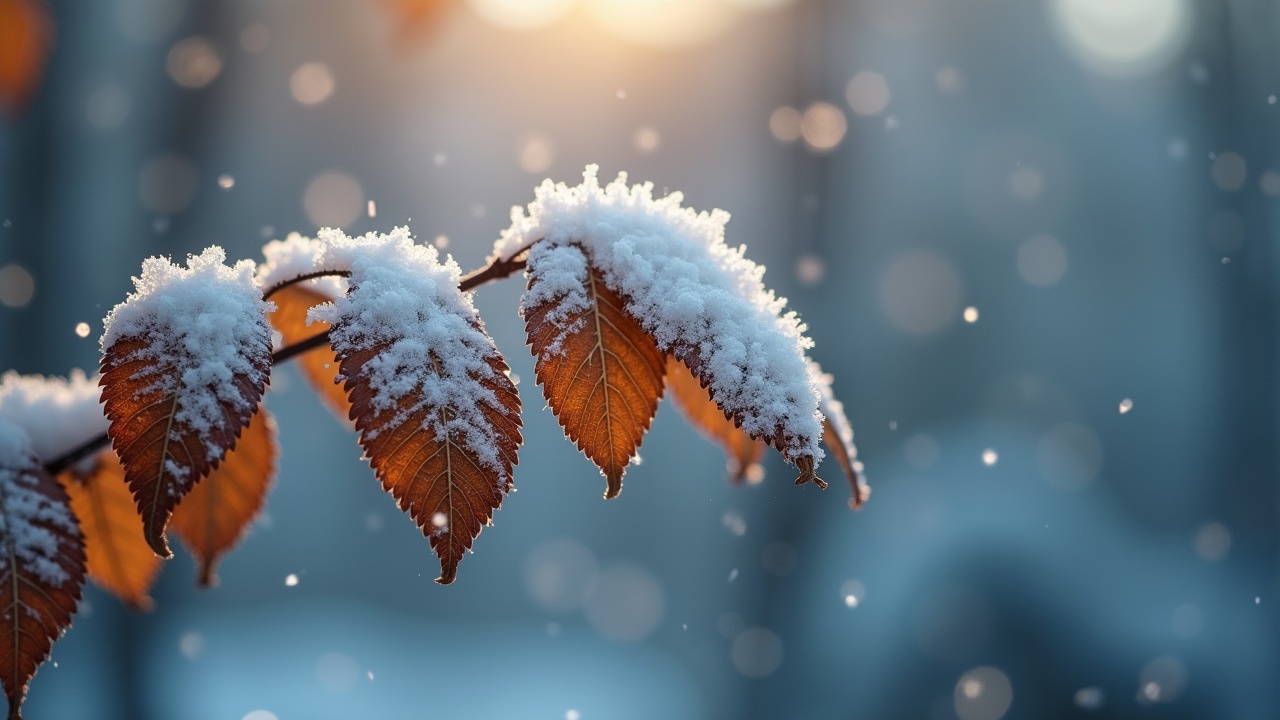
(435, 477)
(696, 404)
(26, 40)
(417, 19)
(601, 373)
(778, 440)
(318, 366)
(119, 559)
(837, 434)
(215, 515)
(162, 457)
(41, 571)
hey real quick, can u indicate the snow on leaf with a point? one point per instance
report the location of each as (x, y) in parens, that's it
(42, 564)
(437, 415)
(26, 40)
(838, 436)
(215, 515)
(696, 404)
(119, 559)
(699, 299)
(185, 360)
(57, 414)
(600, 371)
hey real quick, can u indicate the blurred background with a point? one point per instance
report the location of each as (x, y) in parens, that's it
(1034, 240)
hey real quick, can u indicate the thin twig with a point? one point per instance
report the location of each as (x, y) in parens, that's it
(498, 269)
(302, 278)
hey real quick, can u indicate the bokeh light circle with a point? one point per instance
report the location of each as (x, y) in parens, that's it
(1122, 38)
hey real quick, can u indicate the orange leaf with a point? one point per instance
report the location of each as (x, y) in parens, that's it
(837, 434)
(692, 359)
(702, 412)
(163, 456)
(436, 478)
(26, 39)
(318, 366)
(41, 568)
(601, 373)
(120, 561)
(214, 516)
(417, 18)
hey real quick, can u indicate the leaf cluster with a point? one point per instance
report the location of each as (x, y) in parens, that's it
(386, 334)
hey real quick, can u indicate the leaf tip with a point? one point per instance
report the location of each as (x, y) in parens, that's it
(207, 579)
(159, 545)
(804, 464)
(615, 485)
(448, 573)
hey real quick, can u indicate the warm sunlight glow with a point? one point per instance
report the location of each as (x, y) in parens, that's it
(664, 22)
(521, 14)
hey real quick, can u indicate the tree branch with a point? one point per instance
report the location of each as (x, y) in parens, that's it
(497, 269)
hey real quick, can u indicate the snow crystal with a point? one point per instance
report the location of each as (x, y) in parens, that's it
(209, 320)
(297, 255)
(58, 414)
(30, 521)
(687, 288)
(435, 346)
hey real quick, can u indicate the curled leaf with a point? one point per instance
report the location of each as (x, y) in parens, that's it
(42, 564)
(601, 373)
(694, 401)
(185, 361)
(215, 515)
(119, 559)
(837, 434)
(319, 366)
(26, 40)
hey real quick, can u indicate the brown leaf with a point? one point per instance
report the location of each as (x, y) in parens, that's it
(601, 373)
(318, 366)
(120, 561)
(696, 404)
(416, 19)
(837, 434)
(435, 477)
(41, 572)
(841, 451)
(150, 438)
(215, 515)
(692, 359)
(26, 40)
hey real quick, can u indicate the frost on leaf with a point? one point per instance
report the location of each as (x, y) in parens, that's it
(215, 515)
(838, 436)
(695, 402)
(437, 415)
(119, 559)
(57, 414)
(285, 260)
(699, 299)
(41, 563)
(185, 360)
(600, 371)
